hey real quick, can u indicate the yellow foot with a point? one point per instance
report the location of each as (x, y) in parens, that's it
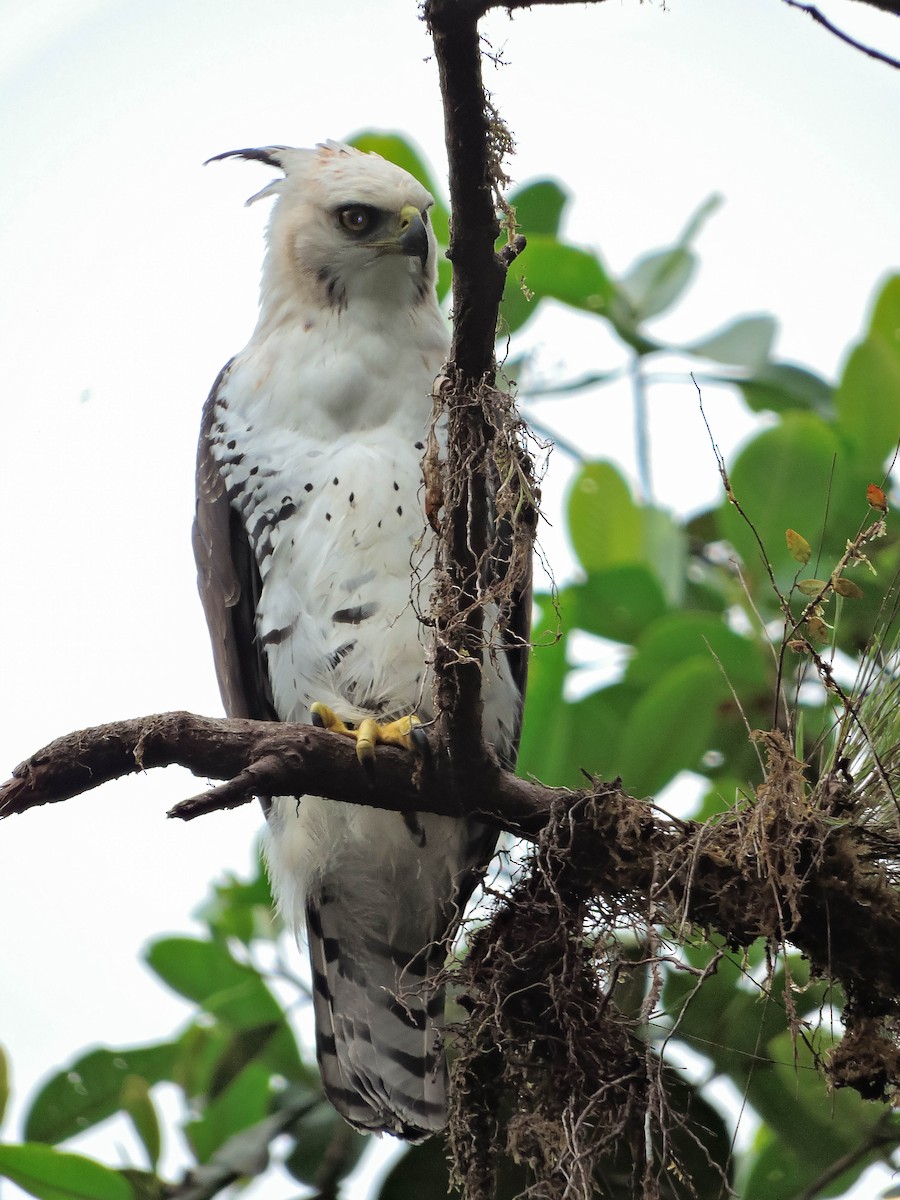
(406, 732)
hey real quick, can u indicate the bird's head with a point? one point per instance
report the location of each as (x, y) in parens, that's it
(346, 227)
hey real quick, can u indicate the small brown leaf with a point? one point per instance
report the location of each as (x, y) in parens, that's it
(817, 630)
(811, 587)
(798, 546)
(876, 497)
(846, 587)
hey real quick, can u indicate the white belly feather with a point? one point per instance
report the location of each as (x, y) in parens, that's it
(344, 576)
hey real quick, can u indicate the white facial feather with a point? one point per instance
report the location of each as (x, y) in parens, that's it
(311, 259)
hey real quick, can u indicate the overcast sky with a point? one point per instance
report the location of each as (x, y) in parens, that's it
(130, 275)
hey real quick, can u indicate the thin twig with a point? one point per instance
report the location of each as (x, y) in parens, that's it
(821, 19)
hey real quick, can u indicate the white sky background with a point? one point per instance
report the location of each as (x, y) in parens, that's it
(129, 276)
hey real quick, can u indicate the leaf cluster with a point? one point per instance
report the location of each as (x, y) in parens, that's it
(714, 632)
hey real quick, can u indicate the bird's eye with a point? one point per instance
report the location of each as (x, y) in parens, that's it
(356, 218)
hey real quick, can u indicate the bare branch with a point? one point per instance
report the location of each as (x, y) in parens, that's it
(821, 19)
(476, 143)
(720, 875)
(888, 6)
(260, 758)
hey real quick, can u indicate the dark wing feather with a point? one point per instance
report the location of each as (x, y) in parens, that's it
(513, 558)
(229, 584)
(518, 638)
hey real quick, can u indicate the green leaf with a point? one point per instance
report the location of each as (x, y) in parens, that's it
(658, 741)
(616, 602)
(323, 1136)
(145, 1185)
(744, 1034)
(539, 207)
(247, 1152)
(242, 1048)
(745, 342)
(819, 1127)
(811, 587)
(699, 1143)
(205, 972)
(798, 547)
(90, 1089)
(722, 1020)
(243, 1156)
(423, 1172)
(604, 523)
(771, 1171)
(138, 1104)
(546, 720)
(608, 529)
(200, 1047)
(241, 908)
(679, 636)
(868, 396)
(790, 477)
(244, 1103)
(698, 219)
(236, 994)
(558, 738)
(656, 281)
(444, 275)
(553, 270)
(776, 387)
(813, 1127)
(402, 153)
(595, 728)
(664, 549)
(52, 1175)
(590, 380)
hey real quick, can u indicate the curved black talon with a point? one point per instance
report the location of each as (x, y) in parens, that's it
(420, 744)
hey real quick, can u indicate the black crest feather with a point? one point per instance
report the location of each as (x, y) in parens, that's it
(270, 155)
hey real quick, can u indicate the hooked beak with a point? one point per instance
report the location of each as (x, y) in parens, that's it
(413, 239)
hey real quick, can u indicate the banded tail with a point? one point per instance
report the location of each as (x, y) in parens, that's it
(378, 1014)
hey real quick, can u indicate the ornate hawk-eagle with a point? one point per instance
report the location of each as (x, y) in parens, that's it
(312, 547)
